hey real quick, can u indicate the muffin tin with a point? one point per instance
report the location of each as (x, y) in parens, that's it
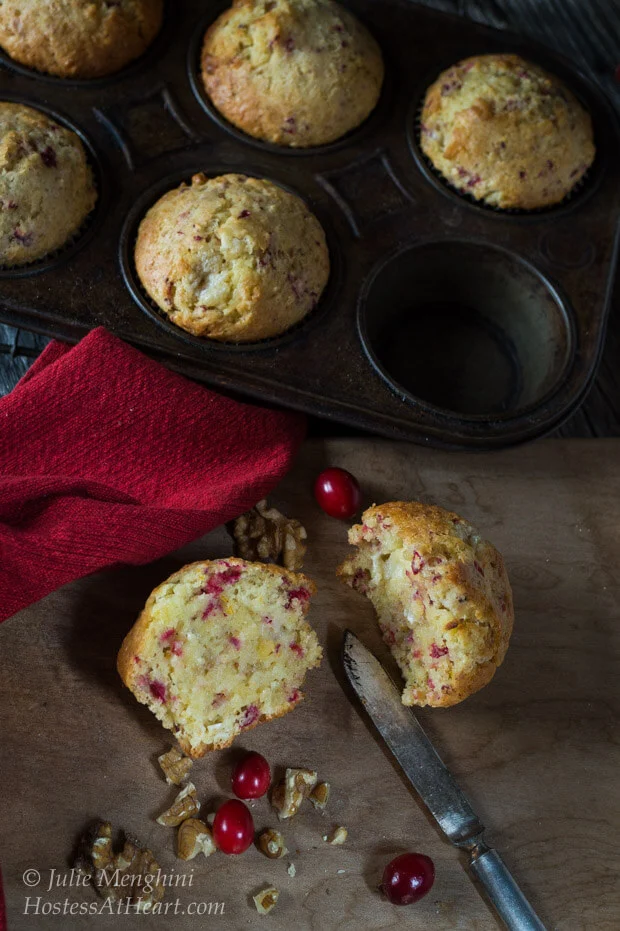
(444, 322)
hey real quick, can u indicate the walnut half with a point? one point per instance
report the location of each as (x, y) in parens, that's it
(320, 795)
(271, 843)
(185, 806)
(266, 899)
(266, 535)
(175, 766)
(131, 875)
(194, 837)
(337, 837)
(288, 795)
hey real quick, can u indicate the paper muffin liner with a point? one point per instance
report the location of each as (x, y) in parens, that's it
(576, 191)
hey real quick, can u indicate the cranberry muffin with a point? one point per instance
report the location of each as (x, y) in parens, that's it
(46, 184)
(292, 72)
(232, 258)
(506, 132)
(442, 597)
(78, 38)
(220, 647)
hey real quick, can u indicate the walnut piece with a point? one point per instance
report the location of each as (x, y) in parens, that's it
(288, 795)
(271, 843)
(337, 837)
(320, 795)
(131, 875)
(194, 837)
(266, 899)
(185, 806)
(266, 535)
(175, 766)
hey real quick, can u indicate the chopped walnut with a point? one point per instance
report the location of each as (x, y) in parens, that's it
(185, 806)
(337, 837)
(288, 795)
(266, 535)
(131, 875)
(271, 843)
(320, 795)
(194, 837)
(175, 766)
(266, 899)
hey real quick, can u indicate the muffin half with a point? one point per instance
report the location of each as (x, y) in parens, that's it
(78, 38)
(292, 72)
(442, 597)
(506, 132)
(220, 647)
(46, 184)
(232, 258)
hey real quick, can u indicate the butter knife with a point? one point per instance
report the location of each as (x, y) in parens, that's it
(431, 779)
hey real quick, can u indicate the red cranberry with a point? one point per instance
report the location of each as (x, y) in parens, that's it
(338, 493)
(407, 878)
(233, 827)
(251, 776)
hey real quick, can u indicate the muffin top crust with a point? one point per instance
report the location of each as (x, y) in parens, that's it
(292, 72)
(232, 258)
(506, 132)
(78, 38)
(46, 184)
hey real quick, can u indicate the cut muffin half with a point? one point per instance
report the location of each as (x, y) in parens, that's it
(220, 647)
(442, 597)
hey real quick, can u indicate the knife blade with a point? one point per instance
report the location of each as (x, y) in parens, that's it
(428, 774)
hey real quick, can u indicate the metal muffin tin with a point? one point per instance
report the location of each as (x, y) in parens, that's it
(444, 321)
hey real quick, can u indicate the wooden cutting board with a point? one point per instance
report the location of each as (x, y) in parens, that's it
(537, 751)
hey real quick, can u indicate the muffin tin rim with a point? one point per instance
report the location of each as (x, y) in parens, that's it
(87, 229)
(562, 303)
(136, 290)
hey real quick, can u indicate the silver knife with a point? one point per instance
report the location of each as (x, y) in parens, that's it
(431, 779)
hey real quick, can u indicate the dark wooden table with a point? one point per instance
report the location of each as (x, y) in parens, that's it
(588, 31)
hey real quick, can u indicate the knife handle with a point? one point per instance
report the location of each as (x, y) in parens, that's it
(510, 903)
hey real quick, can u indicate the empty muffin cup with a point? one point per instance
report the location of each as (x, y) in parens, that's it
(466, 329)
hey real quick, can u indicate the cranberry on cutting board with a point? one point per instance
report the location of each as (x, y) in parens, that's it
(338, 493)
(233, 827)
(251, 776)
(407, 878)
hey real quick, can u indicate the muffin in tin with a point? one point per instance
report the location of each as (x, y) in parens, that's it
(506, 132)
(78, 38)
(232, 258)
(47, 187)
(292, 72)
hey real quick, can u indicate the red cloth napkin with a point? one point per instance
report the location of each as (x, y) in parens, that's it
(107, 457)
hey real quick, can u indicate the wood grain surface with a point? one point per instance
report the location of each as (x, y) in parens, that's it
(537, 751)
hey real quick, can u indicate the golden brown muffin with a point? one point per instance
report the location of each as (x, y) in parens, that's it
(293, 72)
(506, 132)
(78, 38)
(441, 594)
(232, 258)
(220, 647)
(46, 184)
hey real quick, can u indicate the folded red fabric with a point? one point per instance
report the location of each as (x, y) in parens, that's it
(107, 457)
